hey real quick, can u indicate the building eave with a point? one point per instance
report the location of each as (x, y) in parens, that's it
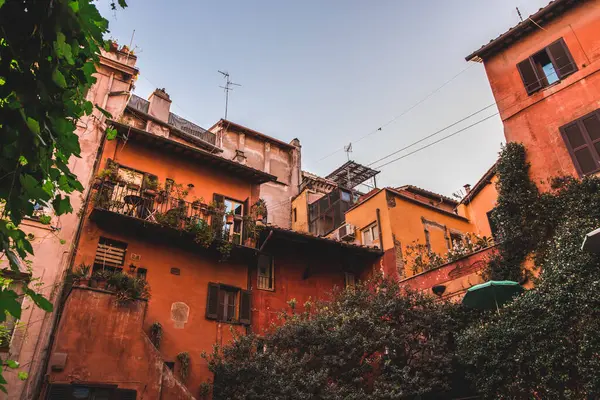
(530, 24)
(420, 203)
(253, 175)
(251, 132)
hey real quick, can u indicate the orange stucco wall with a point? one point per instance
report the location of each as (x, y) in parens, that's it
(535, 120)
(476, 211)
(402, 223)
(103, 342)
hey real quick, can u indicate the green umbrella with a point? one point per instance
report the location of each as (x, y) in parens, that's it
(491, 295)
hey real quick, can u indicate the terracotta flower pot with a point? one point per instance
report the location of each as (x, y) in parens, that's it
(229, 219)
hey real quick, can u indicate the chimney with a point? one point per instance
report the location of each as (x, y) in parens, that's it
(160, 105)
(467, 188)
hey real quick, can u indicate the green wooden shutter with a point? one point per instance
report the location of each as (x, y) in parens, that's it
(212, 301)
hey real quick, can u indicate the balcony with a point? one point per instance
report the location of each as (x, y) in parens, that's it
(329, 212)
(157, 210)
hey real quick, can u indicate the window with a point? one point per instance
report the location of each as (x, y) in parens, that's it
(546, 67)
(456, 239)
(110, 253)
(582, 138)
(222, 304)
(73, 392)
(370, 235)
(234, 229)
(265, 272)
(295, 214)
(350, 279)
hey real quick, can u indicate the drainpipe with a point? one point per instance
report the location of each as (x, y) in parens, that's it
(379, 225)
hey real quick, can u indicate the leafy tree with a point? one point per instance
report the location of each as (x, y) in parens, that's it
(48, 50)
(371, 342)
(545, 344)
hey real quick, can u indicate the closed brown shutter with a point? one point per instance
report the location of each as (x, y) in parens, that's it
(59, 392)
(245, 307)
(221, 304)
(216, 220)
(124, 394)
(561, 58)
(579, 146)
(212, 301)
(529, 76)
(245, 230)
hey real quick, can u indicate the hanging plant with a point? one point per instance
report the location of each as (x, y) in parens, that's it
(184, 364)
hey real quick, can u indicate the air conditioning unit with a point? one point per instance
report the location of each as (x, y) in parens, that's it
(346, 232)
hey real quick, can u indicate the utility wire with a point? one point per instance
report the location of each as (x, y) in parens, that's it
(418, 103)
(437, 141)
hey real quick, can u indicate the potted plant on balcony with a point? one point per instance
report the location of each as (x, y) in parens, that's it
(101, 278)
(260, 210)
(229, 217)
(150, 185)
(81, 275)
(198, 204)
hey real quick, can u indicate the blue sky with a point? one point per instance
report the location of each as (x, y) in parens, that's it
(330, 72)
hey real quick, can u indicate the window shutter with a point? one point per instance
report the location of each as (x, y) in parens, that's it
(110, 253)
(216, 220)
(561, 58)
(579, 147)
(59, 392)
(529, 76)
(220, 304)
(123, 394)
(212, 301)
(246, 211)
(245, 307)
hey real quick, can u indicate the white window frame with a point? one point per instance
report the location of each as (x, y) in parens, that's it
(373, 231)
(234, 203)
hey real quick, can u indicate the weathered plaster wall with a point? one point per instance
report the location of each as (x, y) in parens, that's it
(535, 120)
(266, 155)
(52, 258)
(104, 342)
(456, 277)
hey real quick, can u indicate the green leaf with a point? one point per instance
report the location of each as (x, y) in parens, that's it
(22, 161)
(39, 300)
(103, 111)
(111, 133)
(122, 3)
(59, 78)
(61, 205)
(10, 304)
(2, 386)
(12, 364)
(2, 2)
(74, 6)
(23, 375)
(33, 125)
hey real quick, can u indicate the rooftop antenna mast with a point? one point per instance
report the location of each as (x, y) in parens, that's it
(227, 88)
(519, 12)
(348, 150)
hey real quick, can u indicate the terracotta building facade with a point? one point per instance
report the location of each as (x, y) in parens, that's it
(544, 74)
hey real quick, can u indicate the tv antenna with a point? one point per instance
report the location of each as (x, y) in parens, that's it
(227, 88)
(519, 13)
(348, 150)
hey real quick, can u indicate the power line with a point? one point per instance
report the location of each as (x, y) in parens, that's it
(433, 134)
(437, 141)
(403, 112)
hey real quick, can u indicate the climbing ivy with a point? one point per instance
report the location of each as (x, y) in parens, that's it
(545, 344)
(48, 50)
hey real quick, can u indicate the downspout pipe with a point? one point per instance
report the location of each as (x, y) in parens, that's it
(379, 226)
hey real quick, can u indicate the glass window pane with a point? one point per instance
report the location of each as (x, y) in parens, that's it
(550, 73)
(585, 160)
(81, 393)
(238, 209)
(574, 136)
(346, 196)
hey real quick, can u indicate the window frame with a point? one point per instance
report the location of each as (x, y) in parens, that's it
(236, 219)
(589, 142)
(240, 297)
(270, 276)
(374, 240)
(349, 280)
(541, 82)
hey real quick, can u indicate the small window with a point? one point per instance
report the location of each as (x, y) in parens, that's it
(228, 304)
(110, 253)
(546, 67)
(234, 229)
(265, 272)
(346, 196)
(456, 239)
(350, 280)
(370, 235)
(582, 138)
(295, 214)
